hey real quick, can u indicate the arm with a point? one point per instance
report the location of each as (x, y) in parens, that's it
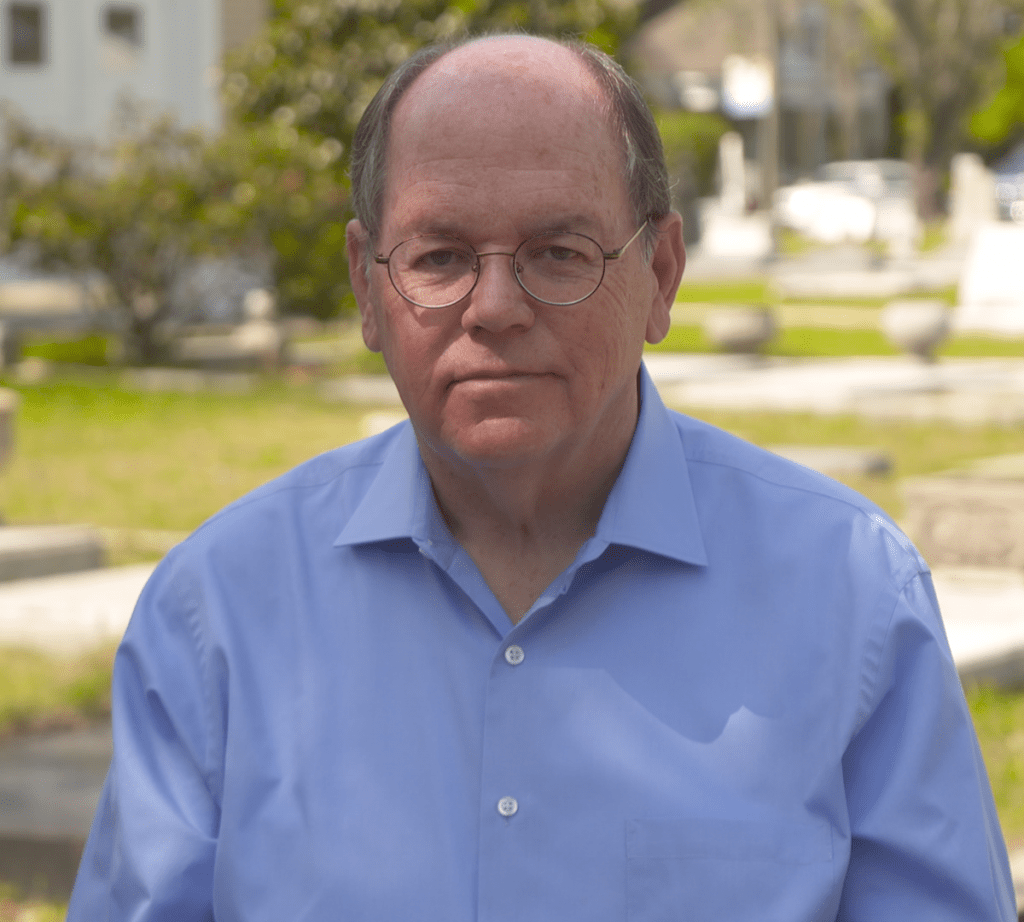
(926, 843)
(151, 850)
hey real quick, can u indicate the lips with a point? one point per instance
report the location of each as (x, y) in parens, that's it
(493, 375)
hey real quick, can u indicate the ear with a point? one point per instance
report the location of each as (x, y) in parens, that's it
(358, 254)
(667, 264)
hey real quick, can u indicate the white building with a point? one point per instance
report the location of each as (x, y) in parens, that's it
(65, 63)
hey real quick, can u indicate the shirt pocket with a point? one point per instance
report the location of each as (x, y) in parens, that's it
(715, 870)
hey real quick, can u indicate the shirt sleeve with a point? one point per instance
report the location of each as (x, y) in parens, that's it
(150, 853)
(925, 838)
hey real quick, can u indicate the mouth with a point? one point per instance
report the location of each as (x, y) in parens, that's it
(496, 376)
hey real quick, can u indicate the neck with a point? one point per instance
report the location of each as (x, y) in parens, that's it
(523, 525)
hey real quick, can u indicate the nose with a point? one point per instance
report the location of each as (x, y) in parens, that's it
(497, 302)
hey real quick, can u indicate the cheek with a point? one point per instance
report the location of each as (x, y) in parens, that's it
(412, 346)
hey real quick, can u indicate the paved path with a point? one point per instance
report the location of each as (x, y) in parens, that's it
(73, 611)
(959, 390)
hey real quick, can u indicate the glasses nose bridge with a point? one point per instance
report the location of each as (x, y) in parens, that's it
(512, 263)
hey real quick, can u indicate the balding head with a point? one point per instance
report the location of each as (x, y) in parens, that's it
(520, 68)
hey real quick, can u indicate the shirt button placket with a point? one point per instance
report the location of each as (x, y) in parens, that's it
(508, 806)
(514, 654)
(504, 829)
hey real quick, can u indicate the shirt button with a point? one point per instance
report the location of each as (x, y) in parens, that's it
(514, 655)
(508, 806)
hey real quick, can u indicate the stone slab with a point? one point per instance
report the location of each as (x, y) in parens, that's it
(34, 767)
(965, 391)
(991, 291)
(40, 867)
(973, 517)
(45, 550)
(983, 612)
(71, 612)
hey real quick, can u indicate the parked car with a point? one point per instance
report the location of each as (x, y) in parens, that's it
(856, 200)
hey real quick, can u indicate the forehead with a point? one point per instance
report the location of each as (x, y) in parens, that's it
(504, 124)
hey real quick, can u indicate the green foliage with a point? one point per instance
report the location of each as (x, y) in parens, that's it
(320, 62)
(1004, 112)
(943, 59)
(271, 190)
(691, 141)
(141, 208)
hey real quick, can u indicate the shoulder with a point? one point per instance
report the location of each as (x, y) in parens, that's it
(297, 514)
(334, 480)
(786, 505)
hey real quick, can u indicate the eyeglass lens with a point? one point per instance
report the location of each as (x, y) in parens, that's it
(555, 268)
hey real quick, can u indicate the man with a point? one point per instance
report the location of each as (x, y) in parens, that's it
(549, 652)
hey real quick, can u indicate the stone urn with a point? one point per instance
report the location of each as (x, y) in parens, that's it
(740, 329)
(916, 327)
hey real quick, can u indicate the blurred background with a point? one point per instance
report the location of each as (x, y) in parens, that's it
(177, 327)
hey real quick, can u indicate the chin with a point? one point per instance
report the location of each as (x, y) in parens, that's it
(502, 442)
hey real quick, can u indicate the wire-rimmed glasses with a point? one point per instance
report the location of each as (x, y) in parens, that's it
(560, 269)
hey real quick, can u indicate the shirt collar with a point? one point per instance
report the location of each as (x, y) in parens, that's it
(650, 507)
(399, 502)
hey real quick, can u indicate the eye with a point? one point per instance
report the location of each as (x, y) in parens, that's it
(554, 252)
(440, 258)
(443, 256)
(560, 253)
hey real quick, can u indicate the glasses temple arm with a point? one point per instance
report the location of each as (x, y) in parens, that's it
(615, 254)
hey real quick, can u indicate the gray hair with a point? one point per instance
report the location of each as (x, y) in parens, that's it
(646, 177)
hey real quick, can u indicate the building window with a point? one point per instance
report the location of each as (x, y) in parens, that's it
(25, 30)
(122, 22)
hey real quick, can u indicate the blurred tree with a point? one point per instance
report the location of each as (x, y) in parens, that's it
(140, 209)
(1003, 114)
(272, 189)
(691, 141)
(943, 57)
(319, 63)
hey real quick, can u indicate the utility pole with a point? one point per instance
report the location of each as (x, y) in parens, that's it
(768, 129)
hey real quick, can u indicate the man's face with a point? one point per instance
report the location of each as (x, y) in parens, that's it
(492, 146)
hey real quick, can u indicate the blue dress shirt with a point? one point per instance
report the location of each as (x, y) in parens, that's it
(736, 704)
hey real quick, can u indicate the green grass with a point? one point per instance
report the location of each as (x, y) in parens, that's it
(828, 342)
(107, 456)
(915, 448)
(999, 722)
(739, 291)
(42, 691)
(93, 349)
(99, 454)
(16, 908)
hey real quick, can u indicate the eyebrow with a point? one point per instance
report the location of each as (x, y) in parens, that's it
(571, 223)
